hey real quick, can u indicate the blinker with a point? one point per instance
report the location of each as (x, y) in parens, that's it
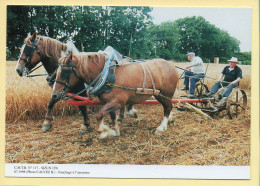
(28, 50)
(65, 74)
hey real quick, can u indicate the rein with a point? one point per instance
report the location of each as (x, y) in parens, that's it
(205, 76)
(36, 74)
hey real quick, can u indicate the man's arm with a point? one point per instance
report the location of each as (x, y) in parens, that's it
(195, 62)
(221, 77)
(236, 81)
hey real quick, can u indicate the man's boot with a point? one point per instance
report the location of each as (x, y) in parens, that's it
(222, 103)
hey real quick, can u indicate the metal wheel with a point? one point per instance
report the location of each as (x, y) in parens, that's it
(200, 90)
(236, 103)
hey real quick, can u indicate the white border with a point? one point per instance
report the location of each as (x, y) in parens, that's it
(127, 171)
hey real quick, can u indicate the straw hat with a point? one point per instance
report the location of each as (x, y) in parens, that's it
(234, 60)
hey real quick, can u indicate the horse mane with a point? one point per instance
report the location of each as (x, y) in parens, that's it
(91, 58)
(89, 62)
(51, 47)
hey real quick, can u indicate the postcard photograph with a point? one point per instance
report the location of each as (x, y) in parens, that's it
(128, 92)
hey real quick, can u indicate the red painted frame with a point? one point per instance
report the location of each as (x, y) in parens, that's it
(83, 101)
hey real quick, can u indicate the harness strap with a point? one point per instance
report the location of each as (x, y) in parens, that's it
(65, 84)
(145, 68)
(144, 82)
(103, 77)
(150, 76)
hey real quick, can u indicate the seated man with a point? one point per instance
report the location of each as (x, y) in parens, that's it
(231, 76)
(194, 71)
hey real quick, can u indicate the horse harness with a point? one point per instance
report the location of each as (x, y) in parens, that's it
(66, 74)
(144, 90)
(95, 87)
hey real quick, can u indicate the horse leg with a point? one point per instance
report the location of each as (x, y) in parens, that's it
(114, 122)
(77, 88)
(85, 125)
(48, 117)
(121, 114)
(131, 111)
(167, 107)
(105, 130)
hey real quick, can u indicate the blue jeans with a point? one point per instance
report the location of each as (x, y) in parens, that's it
(193, 79)
(227, 90)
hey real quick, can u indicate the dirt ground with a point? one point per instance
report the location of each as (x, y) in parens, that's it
(191, 140)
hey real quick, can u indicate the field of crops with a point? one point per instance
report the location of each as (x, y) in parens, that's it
(190, 140)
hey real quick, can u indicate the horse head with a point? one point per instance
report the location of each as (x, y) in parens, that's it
(30, 55)
(66, 77)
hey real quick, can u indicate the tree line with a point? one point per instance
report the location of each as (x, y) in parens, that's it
(130, 30)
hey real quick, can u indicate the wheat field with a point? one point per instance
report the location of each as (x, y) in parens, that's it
(191, 140)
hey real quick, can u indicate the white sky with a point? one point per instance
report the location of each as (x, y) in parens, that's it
(236, 21)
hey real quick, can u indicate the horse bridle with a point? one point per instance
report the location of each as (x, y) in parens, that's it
(66, 75)
(29, 51)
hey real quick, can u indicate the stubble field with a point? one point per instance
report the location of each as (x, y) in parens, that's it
(190, 140)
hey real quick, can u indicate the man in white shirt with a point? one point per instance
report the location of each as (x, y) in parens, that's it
(194, 71)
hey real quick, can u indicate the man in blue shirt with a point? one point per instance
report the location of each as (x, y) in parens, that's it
(229, 78)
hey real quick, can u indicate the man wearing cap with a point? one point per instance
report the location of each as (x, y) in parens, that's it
(194, 71)
(229, 78)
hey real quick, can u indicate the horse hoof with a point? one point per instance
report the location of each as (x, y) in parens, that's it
(111, 133)
(117, 132)
(171, 121)
(46, 127)
(133, 113)
(83, 128)
(159, 131)
(103, 135)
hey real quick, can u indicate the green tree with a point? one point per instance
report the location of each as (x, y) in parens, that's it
(205, 39)
(126, 29)
(244, 57)
(17, 28)
(164, 38)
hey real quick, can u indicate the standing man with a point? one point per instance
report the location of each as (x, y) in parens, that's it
(194, 71)
(230, 77)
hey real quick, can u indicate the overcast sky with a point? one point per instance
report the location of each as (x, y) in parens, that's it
(236, 21)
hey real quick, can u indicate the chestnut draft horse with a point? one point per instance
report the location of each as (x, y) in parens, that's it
(48, 51)
(159, 74)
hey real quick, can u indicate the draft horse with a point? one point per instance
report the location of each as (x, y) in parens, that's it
(48, 51)
(159, 75)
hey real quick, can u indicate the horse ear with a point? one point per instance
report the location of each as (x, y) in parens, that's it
(34, 35)
(69, 57)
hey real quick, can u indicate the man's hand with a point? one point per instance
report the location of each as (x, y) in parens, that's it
(187, 67)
